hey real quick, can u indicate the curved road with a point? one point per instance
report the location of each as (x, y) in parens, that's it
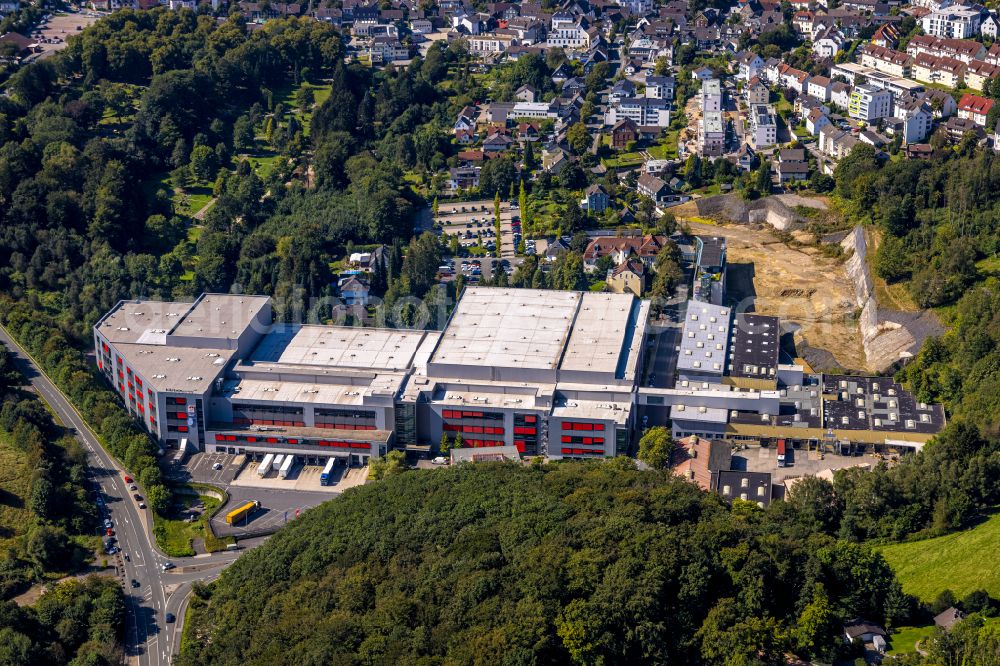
(149, 638)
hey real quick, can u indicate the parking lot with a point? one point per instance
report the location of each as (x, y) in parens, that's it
(475, 220)
(51, 35)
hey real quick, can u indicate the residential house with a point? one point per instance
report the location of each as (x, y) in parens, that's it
(948, 618)
(816, 120)
(702, 74)
(957, 128)
(387, 49)
(487, 43)
(818, 87)
(989, 27)
(463, 178)
(829, 43)
(835, 142)
(555, 249)
(354, 292)
(887, 36)
(840, 94)
(919, 151)
(867, 633)
(526, 93)
(652, 187)
(916, 117)
(554, 161)
(622, 89)
(792, 165)
(746, 158)
(700, 460)
(497, 143)
(622, 248)
(568, 32)
(942, 103)
(802, 22)
(755, 92)
(624, 132)
(421, 26)
(978, 72)
(628, 277)
(660, 87)
(528, 132)
(974, 108)
(748, 64)
(595, 199)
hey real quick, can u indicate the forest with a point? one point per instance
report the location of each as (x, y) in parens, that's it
(583, 563)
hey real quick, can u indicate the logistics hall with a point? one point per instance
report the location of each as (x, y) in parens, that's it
(552, 373)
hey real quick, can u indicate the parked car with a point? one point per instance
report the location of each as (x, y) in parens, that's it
(167, 566)
(135, 583)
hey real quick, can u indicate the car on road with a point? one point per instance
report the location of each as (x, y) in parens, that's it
(128, 479)
(142, 505)
(135, 583)
(138, 497)
(108, 524)
(133, 487)
(170, 618)
(167, 566)
(127, 558)
(109, 531)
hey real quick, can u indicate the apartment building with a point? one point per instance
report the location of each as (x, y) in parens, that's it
(643, 111)
(660, 87)
(869, 103)
(953, 22)
(711, 95)
(711, 134)
(762, 125)
(895, 63)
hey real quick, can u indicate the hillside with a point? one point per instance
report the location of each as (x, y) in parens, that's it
(564, 563)
(962, 562)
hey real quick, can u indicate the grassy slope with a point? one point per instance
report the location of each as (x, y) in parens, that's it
(15, 485)
(904, 639)
(962, 562)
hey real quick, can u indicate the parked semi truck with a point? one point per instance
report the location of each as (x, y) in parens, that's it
(265, 465)
(286, 467)
(242, 512)
(278, 459)
(324, 478)
(781, 453)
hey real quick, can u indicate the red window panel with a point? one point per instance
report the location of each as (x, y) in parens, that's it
(598, 426)
(230, 438)
(293, 441)
(251, 439)
(272, 440)
(220, 438)
(566, 439)
(588, 440)
(599, 440)
(182, 428)
(181, 401)
(579, 451)
(567, 451)
(138, 381)
(530, 419)
(100, 366)
(519, 443)
(452, 427)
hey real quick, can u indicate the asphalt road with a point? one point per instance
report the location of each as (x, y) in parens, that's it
(149, 639)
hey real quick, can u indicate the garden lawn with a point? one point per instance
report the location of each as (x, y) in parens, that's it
(15, 486)
(904, 639)
(962, 562)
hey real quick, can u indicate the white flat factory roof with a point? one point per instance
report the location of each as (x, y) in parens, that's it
(603, 323)
(220, 315)
(145, 322)
(264, 390)
(339, 346)
(600, 410)
(541, 329)
(513, 328)
(703, 414)
(180, 369)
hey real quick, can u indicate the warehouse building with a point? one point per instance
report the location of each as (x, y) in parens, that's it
(550, 373)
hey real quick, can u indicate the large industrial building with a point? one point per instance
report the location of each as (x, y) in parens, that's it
(551, 373)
